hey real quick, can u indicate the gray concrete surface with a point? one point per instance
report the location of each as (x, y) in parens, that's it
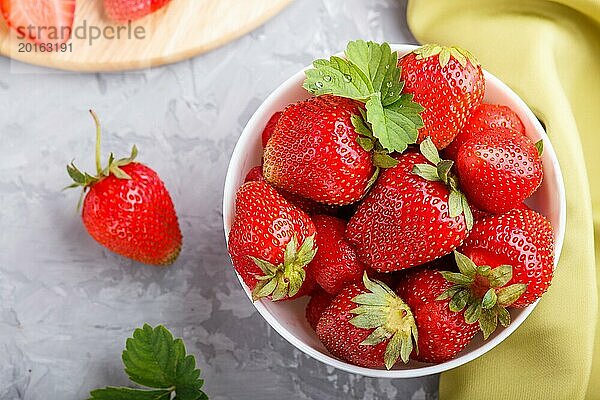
(67, 305)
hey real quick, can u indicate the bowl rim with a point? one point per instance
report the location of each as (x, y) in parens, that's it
(252, 128)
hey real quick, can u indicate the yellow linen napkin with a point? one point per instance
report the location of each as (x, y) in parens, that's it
(549, 53)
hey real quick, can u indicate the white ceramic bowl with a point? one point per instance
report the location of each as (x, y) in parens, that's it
(288, 317)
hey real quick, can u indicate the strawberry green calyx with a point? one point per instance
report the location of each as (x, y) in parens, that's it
(285, 280)
(445, 53)
(539, 146)
(85, 180)
(481, 292)
(369, 73)
(441, 171)
(381, 309)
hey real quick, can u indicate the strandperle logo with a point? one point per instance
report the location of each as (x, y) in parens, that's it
(85, 31)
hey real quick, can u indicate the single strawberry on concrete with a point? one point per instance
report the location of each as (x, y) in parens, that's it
(414, 214)
(448, 82)
(128, 210)
(443, 333)
(40, 21)
(485, 116)
(521, 238)
(130, 10)
(499, 169)
(368, 325)
(314, 152)
(336, 264)
(270, 128)
(271, 242)
(319, 301)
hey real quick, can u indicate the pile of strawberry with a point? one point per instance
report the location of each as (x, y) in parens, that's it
(407, 253)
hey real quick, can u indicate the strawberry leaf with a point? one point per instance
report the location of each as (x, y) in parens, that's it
(509, 294)
(489, 299)
(503, 316)
(488, 309)
(426, 171)
(366, 143)
(488, 321)
(153, 358)
(500, 276)
(339, 77)
(120, 393)
(384, 160)
(473, 312)
(445, 54)
(465, 265)
(539, 146)
(379, 64)
(370, 73)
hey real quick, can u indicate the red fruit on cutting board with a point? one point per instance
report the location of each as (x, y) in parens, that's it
(521, 238)
(128, 210)
(130, 10)
(486, 116)
(443, 333)
(449, 83)
(313, 152)
(413, 214)
(368, 325)
(41, 21)
(499, 169)
(271, 243)
(336, 264)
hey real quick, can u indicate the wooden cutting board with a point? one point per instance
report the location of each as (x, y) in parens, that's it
(182, 29)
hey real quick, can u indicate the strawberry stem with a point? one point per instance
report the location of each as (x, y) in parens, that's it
(98, 133)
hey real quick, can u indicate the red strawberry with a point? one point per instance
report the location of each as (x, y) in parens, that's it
(449, 83)
(128, 209)
(41, 21)
(313, 152)
(406, 220)
(255, 175)
(368, 325)
(309, 206)
(270, 128)
(318, 302)
(521, 238)
(486, 116)
(336, 263)
(130, 10)
(271, 242)
(443, 333)
(499, 169)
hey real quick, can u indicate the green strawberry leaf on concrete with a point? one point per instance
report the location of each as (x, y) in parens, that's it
(117, 393)
(370, 73)
(154, 359)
